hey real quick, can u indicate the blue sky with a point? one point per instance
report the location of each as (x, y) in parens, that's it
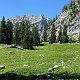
(48, 8)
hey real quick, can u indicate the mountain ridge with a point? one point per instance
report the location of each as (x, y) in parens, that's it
(70, 16)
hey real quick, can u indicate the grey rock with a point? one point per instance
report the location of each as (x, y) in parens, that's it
(13, 46)
(2, 67)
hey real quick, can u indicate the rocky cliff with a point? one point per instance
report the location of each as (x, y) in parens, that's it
(70, 16)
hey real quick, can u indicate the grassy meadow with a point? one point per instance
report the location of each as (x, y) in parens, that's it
(37, 62)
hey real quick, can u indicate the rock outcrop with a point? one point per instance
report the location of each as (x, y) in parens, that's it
(70, 16)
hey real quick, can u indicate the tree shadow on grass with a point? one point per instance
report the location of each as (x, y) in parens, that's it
(64, 75)
(41, 44)
(31, 48)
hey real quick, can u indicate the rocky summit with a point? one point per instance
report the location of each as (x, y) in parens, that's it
(41, 21)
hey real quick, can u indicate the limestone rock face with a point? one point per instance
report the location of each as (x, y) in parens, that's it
(70, 16)
(41, 21)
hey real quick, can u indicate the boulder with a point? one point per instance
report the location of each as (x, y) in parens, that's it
(50, 70)
(2, 67)
(56, 67)
(13, 46)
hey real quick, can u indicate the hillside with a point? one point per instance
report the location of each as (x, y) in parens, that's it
(70, 16)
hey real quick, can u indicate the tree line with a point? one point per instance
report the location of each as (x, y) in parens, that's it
(6, 32)
(20, 33)
(27, 35)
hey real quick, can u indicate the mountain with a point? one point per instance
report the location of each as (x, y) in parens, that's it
(41, 21)
(70, 16)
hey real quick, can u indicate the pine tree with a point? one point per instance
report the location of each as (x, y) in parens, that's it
(16, 34)
(53, 34)
(22, 32)
(0, 34)
(27, 39)
(62, 37)
(60, 34)
(65, 34)
(36, 37)
(65, 8)
(9, 32)
(44, 37)
(3, 31)
(79, 38)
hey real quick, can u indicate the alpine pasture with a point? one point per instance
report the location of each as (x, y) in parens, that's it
(38, 62)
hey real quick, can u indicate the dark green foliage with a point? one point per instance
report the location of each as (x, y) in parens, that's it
(22, 32)
(0, 34)
(52, 38)
(79, 38)
(62, 37)
(27, 40)
(60, 34)
(16, 34)
(23, 35)
(3, 31)
(6, 32)
(78, 1)
(74, 8)
(44, 37)
(35, 35)
(9, 32)
(55, 18)
(65, 34)
(65, 8)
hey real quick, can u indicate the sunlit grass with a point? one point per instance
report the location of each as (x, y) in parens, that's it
(40, 60)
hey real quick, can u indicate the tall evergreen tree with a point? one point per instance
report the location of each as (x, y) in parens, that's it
(22, 32)
(62, 37)
(9, 32)
(65, 8)
(27, 38)
(79, 38)
(60, 34)
(0, 33)
(44, 36)
(3, 31)
(65, 34)
(36, 37)
(16, 31)
(53, 34)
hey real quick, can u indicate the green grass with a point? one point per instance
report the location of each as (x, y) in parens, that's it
(41, 60)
